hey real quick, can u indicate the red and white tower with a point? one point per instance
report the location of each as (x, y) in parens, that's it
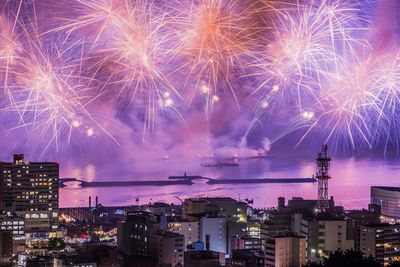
(323, 163)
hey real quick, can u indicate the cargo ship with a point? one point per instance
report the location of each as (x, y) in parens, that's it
(220, 164)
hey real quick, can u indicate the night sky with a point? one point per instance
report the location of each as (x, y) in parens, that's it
(124, 80)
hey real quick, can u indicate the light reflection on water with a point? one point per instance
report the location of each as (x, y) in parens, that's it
(350, 183)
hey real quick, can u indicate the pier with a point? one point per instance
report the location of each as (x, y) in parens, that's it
(184, 180)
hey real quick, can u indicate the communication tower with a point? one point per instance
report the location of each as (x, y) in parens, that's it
(323, 163)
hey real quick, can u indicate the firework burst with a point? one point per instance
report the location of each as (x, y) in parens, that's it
(131, 56)
(47, 91)
(214, 39)
(358, 108)
(305, 49)
(148, 62)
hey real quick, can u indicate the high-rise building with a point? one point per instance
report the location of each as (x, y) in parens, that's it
(167, 248)
(189, 229)
(381, 241)
(134, 232)
(214, 233)
(388, 199)
(324, 234)
(30, 190)
(143, 235)
(285, 250)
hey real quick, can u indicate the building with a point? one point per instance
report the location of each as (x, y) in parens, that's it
(163, 208)
(276, 222)
(167, 248)
(134, 232)
(388, 198)
(253, 229)
(189, 229)
(381, 241)
(214, 233)
(324, 234)
(196, 246)
(250, 258)
(30, 190)
(97, 214)
(246, 242)
(143, 234)
(16, 226)
(64, 263)
(234, 263)
(230, 208)
(362, 217)
(299, 203)
(234, 229)
(204, 258)
(6, 247)
(285, 250)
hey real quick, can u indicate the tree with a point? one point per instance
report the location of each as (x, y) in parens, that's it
(313, 264)
(349, 258)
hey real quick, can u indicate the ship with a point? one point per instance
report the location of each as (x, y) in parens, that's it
(220, 164)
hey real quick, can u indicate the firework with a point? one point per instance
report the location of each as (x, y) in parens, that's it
(386, 83)
(148, 62)
(93, 19)
(131, 56)
(214, 38)
(47, 92)
(10, 46)
(304, 50)
(358, 108)
(350, 105)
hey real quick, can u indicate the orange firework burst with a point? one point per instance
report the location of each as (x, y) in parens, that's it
(214, 38)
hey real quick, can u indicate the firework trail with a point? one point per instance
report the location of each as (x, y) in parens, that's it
(386, 84)
(359, 107)
(304, 53)
(304, 49)
(214, 39)
(131, 55)
(10, 45)
(153, 63)
(46, 89)
(350, 105)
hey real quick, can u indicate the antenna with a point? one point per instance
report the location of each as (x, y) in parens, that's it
(322, 175)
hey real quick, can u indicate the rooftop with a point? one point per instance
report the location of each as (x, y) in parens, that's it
(202, 255)
(382, 225)
(169, 234)
(388, 188)
(248, 253)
